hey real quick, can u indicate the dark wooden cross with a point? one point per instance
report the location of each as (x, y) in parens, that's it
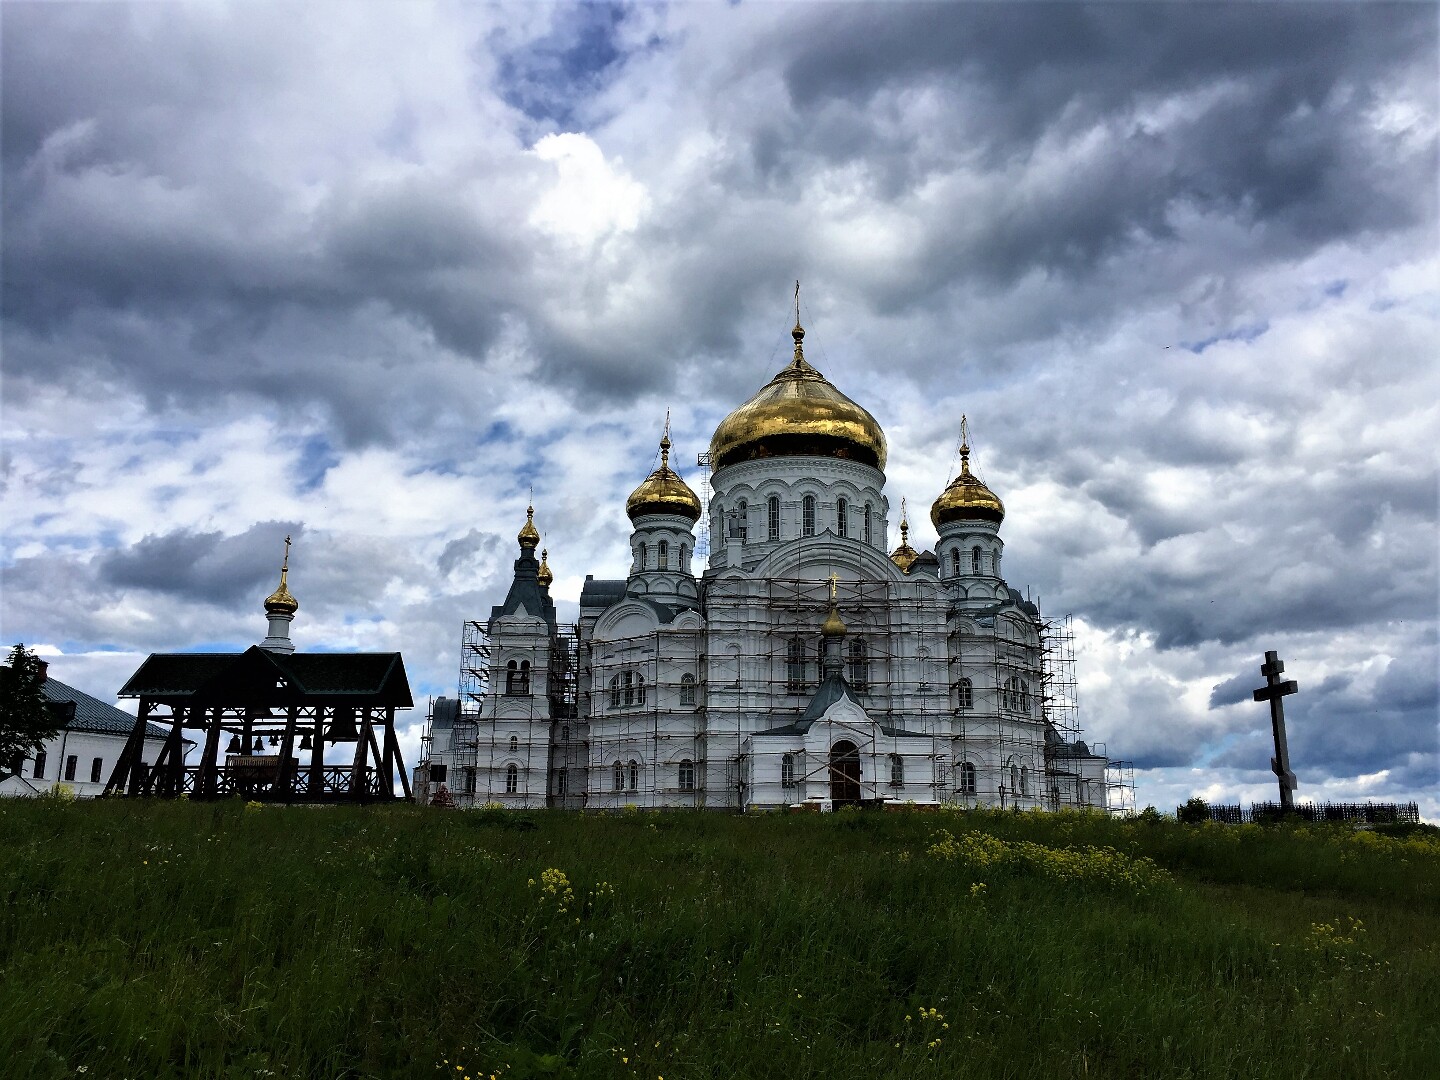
(1274, 691)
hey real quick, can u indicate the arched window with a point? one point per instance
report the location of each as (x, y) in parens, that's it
(740, 527)
(662, 555)
(975, 560)
(687, 775)
(644, 556)
(866, 524)
(772, 517)
(684, 558)
(512, 779)
(615, 691)
(1024, 780)
(787, 771)
(562, 782)
(1024, 697)
(639, 689)
(795, 666)
(514, 743)
(687, 689)
(955, 561)
(842, 512)
(967, 778)
(517, 677)
(807, 516)
(859, 664)
(564, 732)
(617, 777)
(897, 771)
(965, 694)
(1015, 695)
(1014, 778)
(634, 775)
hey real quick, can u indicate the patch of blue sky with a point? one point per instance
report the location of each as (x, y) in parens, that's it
(1336, 288)
(216, 646)
(498, 432)
(551, 77)
(316, 458)
(1246, 334)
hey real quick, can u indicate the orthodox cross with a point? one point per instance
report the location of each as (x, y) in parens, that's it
(286, 564)
(1274, 691)
(834, 586)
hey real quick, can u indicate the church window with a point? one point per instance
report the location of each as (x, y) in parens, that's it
(687, 775)
(975, 560)
(39, 771)
(639, 689)
(842, 511)
(684, 558)
(564, 732)
(787, 771)
(772, 517)
(562, 782)
(1024, 697)
(70, 762)
(514, 743)
(470, 779)
(662, 555)
(1024, 780)
(866, 523)
(627, 686)
(955, 560)
(617, 777)
(897, 771)
(95, 767)
(1014, 778)
(634, 774)
(795, 666)
(644, 556)
(614, 691)
(967, 778)
(740, 523)
(687, 689)
(517, 677)
(807, 516)
(966, 694)
(859, 664)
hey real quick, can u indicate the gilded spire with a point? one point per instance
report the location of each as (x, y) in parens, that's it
(834, 626)
(281, 601)
(545, 574)
(904, 556)
(529, 535)
(798, 363)
(964, 445)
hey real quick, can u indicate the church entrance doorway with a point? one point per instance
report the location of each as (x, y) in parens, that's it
(845, 773)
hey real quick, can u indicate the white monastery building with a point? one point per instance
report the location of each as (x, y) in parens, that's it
(806, 664)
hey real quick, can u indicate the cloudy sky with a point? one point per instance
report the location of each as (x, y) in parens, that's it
(365, 273)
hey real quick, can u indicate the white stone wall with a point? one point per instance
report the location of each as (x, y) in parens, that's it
(85, 748)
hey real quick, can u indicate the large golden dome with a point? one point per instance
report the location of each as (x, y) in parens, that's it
(663, 492)
(967, 498)
(798, 413)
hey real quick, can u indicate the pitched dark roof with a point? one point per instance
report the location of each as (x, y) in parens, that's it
(92, 714)
(827, 694)
(525, 589)
(261, 677)
(601, 593)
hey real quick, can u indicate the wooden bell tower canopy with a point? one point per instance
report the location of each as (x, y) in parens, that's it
(294, 702)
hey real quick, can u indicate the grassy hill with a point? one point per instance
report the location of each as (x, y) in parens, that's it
(191, 940)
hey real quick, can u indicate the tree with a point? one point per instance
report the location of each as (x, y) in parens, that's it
(26, 720)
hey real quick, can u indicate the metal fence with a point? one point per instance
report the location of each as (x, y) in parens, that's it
(1261, 812)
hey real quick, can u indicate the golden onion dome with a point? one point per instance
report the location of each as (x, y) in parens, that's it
(663, 492)
(798, 413)
(833, 626)
(967, 498)
(545, 574)
(281, 601)
(904, 556)
(529, 535)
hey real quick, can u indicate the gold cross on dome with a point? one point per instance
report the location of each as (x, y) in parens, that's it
(834, 585)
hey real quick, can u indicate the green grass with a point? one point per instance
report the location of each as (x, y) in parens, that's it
(192, 940)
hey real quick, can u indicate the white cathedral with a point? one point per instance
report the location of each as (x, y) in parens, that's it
(804, 667)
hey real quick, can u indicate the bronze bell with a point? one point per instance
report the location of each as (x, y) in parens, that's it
(234, 747)
(342, 727)
(305, 741)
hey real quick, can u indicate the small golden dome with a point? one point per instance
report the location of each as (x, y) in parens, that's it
(798, 413)
(281, 602)
(663, 492)
(967, 498)
(904, 556)
(545, 574)
(834, 626)
(529, 535)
